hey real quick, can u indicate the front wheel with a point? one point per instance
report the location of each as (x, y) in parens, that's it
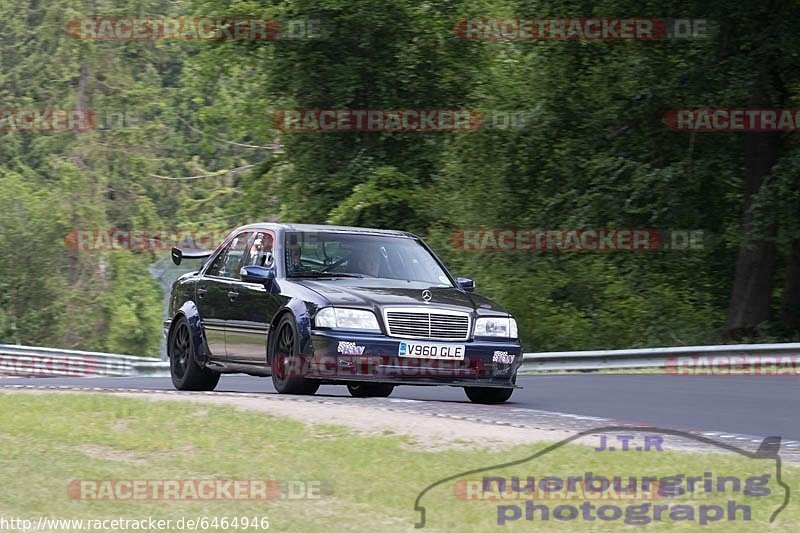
(487, 395)
(370, 390)
(186, 374)
(287, 364)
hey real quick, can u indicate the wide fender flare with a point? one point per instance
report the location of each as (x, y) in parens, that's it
(299, 310)
(192, 314)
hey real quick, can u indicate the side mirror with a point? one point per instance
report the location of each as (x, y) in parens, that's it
(466, 284)
(257, 274)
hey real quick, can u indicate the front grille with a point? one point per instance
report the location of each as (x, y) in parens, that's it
(427, 324)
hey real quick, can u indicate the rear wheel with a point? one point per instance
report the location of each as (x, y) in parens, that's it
(370, 390)
(487, 395)
(287, 364)
(186, 373)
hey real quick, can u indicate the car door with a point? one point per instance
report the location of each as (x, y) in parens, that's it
(214, 294)
(252, 307)
(210, 298)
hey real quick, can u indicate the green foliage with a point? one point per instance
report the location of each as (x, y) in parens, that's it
(387, 198)
(29, 260)
(132, 306)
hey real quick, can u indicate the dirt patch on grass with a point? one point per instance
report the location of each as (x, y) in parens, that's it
(428, 433)
(107, 453)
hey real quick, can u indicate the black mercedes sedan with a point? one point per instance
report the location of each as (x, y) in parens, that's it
(311, 305)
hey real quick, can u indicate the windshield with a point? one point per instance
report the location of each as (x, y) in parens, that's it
(328, 254)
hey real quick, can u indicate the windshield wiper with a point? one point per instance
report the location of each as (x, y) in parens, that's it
(316, 274)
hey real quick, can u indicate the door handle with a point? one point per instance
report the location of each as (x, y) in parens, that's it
(232, 295)
(201, 293)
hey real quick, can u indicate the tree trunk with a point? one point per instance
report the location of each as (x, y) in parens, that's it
(72, 256)
(752, 287)
(790, 306)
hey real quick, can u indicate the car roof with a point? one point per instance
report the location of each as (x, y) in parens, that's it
(274, 226)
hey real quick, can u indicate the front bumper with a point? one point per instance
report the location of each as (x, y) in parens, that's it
(340, 356)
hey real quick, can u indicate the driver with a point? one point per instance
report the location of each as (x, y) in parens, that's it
(295, 261)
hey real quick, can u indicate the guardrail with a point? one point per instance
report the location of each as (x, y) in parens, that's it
(722, 355)
(52, 362)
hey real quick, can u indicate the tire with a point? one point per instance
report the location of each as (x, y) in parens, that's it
(183, 368)
(487, 395)
(287, 364)
(370, 390)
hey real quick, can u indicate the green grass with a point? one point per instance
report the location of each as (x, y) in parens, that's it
(48, 440)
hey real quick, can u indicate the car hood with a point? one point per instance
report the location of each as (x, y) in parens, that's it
(375, 294)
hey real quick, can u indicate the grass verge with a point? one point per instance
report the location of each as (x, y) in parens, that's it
(368, 482)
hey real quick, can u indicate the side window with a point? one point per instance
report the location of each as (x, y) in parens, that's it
(228, 263)
(260, 251)
(216, 266)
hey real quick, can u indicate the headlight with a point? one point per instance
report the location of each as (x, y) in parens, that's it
(496, 327)
(342, 318)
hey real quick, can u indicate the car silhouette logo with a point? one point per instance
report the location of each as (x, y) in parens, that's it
(426, 295)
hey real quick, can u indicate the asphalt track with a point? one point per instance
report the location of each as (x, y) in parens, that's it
(757, 406)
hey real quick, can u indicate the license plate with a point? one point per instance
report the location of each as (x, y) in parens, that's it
(430, 350)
